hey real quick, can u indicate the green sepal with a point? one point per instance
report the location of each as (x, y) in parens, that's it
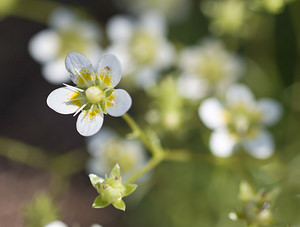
(103, 106)
(95, 180)
(99, 203)
(97, 81)
(119, 205)
(87, 107)
(108, 92)
(115, 171)
(129, 188)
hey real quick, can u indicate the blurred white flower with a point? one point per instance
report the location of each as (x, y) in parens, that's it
(107, 149)
(227, 16)
(66, 33)
(142, 46)
(272, 6)
(94, 94)
(174, 10)
(207, 67)
(240, 120)
(58, 223)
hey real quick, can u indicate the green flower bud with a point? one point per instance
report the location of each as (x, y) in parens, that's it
(111, 189)
(255, 207)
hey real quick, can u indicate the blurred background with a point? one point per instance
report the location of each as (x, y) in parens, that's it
(175, 54)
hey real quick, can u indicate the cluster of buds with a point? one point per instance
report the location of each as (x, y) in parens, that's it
(255, 207)
(111, 189)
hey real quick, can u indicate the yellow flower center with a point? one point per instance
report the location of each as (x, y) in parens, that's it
(94, 94)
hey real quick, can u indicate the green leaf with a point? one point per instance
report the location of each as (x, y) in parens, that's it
(129, 188)
(99, 203)
(95, 180)
(119, 205)
(115, 171)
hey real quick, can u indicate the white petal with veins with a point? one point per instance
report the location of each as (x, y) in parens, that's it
(76, 63)
(122, 103)
(110, 65)
(59, 101)
(89, 124)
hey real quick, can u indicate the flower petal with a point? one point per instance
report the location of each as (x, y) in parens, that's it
(222, 143)
(80, 68)
(146, 77)
(44, 46)
(89, 123)
(54, 72)
(192, 87)
(212, 113)
(109, 70)
(62, 18)
(59, 101)
(122, 103)
(154, 22)
(262, 146)
(120, 28)
(56, 223)
(239, 93)
(270, 109)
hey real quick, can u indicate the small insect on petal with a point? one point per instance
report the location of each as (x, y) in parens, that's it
(107, 68)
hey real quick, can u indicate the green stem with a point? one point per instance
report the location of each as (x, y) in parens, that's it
(154, 148)
(35, 10)
(186, 156)
(23, 153)
(156, 159)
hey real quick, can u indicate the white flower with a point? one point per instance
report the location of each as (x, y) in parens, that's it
(228, 16)
(240, 120)
(174, 10)
(142, 44)
(67, 33)
(94, 94)
(107, 149)
(272, 6)
(56, 223)
(205, 68)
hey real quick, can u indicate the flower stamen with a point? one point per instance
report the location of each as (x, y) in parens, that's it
(81, 108)
(72, 88)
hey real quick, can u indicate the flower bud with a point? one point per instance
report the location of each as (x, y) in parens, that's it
(111, 189)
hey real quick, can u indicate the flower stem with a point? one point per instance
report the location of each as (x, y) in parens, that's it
(153, 147)
(23, 153)
(156, 159)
